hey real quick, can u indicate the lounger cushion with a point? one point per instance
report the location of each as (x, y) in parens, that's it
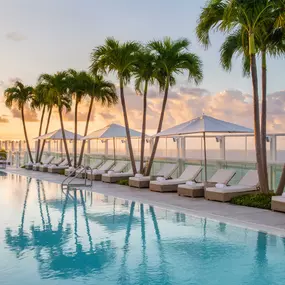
(169, 182)
(191, 187)
(144, 178)
(232, 189)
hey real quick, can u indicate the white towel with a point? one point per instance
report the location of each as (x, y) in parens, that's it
(190, 183)
(160, 179)
(220, 186)
(283, 194)
(38, 164)
(70, 168)
(138, 175)
(110, 172)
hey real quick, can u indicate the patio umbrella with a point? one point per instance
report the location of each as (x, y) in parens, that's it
(57, 135)
(204, 124)
(112, 131)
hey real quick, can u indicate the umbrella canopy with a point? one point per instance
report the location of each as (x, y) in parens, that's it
(111, 131)
(204, 124)
(57, 135)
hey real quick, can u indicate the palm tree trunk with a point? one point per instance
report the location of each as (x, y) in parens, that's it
(143, 126)
(263, 120)
(132, 158)
(40, 132)
(75, 133)
(26, 135)
(46, 131)
(257, 122)
(158, 129)
(63, 137)
(86, 131)
(281, 184)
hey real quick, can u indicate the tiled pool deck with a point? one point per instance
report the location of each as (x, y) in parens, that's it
(256, 219)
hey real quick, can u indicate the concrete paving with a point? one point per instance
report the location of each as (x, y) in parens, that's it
(252, 218)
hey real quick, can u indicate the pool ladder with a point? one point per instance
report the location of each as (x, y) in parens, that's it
(67, 182)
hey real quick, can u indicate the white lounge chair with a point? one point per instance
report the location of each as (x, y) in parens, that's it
(80, 173)
(278, 203)
(193, 189)
(97, 172)
(189, 174)
(247, 185)
(35, 166)
(44, 167)
(110, 176)
(140, 181)
(59, 168)
(115, 177)
(48, 160)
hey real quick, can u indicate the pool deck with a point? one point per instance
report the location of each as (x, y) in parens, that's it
(252, 218)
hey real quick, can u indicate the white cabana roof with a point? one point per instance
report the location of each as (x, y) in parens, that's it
(204, 124)
(111, 131)
(57, 135)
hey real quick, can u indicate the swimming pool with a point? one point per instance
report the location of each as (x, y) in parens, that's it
(78, 237)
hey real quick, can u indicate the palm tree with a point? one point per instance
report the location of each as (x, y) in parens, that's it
(144, 75)
(120, 59)
(99, 90)
(250, 17)
(59, 97)
(20, 95)
(39, 102)
(172, 57)
(76, 86)
(269, 41)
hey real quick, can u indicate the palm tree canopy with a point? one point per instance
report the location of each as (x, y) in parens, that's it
(57, 85)
(101, 90)
(40, 97)
(172, 58)
(115, 57)
(144, 68)
(18, 94)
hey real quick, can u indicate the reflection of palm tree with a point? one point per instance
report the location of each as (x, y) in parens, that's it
(20, 241)
(80, 262)
(165, 276)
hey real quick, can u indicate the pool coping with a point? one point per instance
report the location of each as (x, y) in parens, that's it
(145, 196)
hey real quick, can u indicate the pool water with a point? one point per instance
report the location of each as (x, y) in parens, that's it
(78, 237)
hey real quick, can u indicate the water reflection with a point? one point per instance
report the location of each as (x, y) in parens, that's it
(78, 235)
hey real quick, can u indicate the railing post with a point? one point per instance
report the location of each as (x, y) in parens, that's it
(17, 159)
(222, 141)
(49, 146)
(106, 148)
(88, 146)
(273, 160)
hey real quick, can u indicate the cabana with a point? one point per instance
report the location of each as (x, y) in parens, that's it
(203, 125)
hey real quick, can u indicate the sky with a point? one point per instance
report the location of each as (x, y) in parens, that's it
(48, 36)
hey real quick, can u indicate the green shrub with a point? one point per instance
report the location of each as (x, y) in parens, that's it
(124, 182)
(259, 200)
(23, 166)
(3, 154)
(61, 172)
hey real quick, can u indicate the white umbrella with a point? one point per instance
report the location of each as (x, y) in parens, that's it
(57, 135)
(204, 124)
(112, 131)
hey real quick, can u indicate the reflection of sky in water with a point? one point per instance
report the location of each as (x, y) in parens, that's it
(52, 237)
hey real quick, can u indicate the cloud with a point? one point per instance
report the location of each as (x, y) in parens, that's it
(15, 36)
(30, 115)
(3, 119)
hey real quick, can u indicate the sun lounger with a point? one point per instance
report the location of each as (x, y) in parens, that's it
(190, 174)
(48, 160)
(248, 185)
(110, 176)
(35, 166)
(59, 168)
(44, 167)
(80, 173)
(278, 203)
(140, 181)
(193, 189)
(97, 172)
(115, 177)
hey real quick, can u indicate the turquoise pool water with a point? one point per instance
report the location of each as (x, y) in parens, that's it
(52, 237)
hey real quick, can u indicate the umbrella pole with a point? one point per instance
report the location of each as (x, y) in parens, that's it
(205, 156)
(114, 146)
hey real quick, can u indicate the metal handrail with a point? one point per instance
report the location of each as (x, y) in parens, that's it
(67, 181)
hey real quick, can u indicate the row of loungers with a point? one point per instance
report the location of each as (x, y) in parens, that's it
(215, 189)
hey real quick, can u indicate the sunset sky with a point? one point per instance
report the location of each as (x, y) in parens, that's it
(48, 36)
